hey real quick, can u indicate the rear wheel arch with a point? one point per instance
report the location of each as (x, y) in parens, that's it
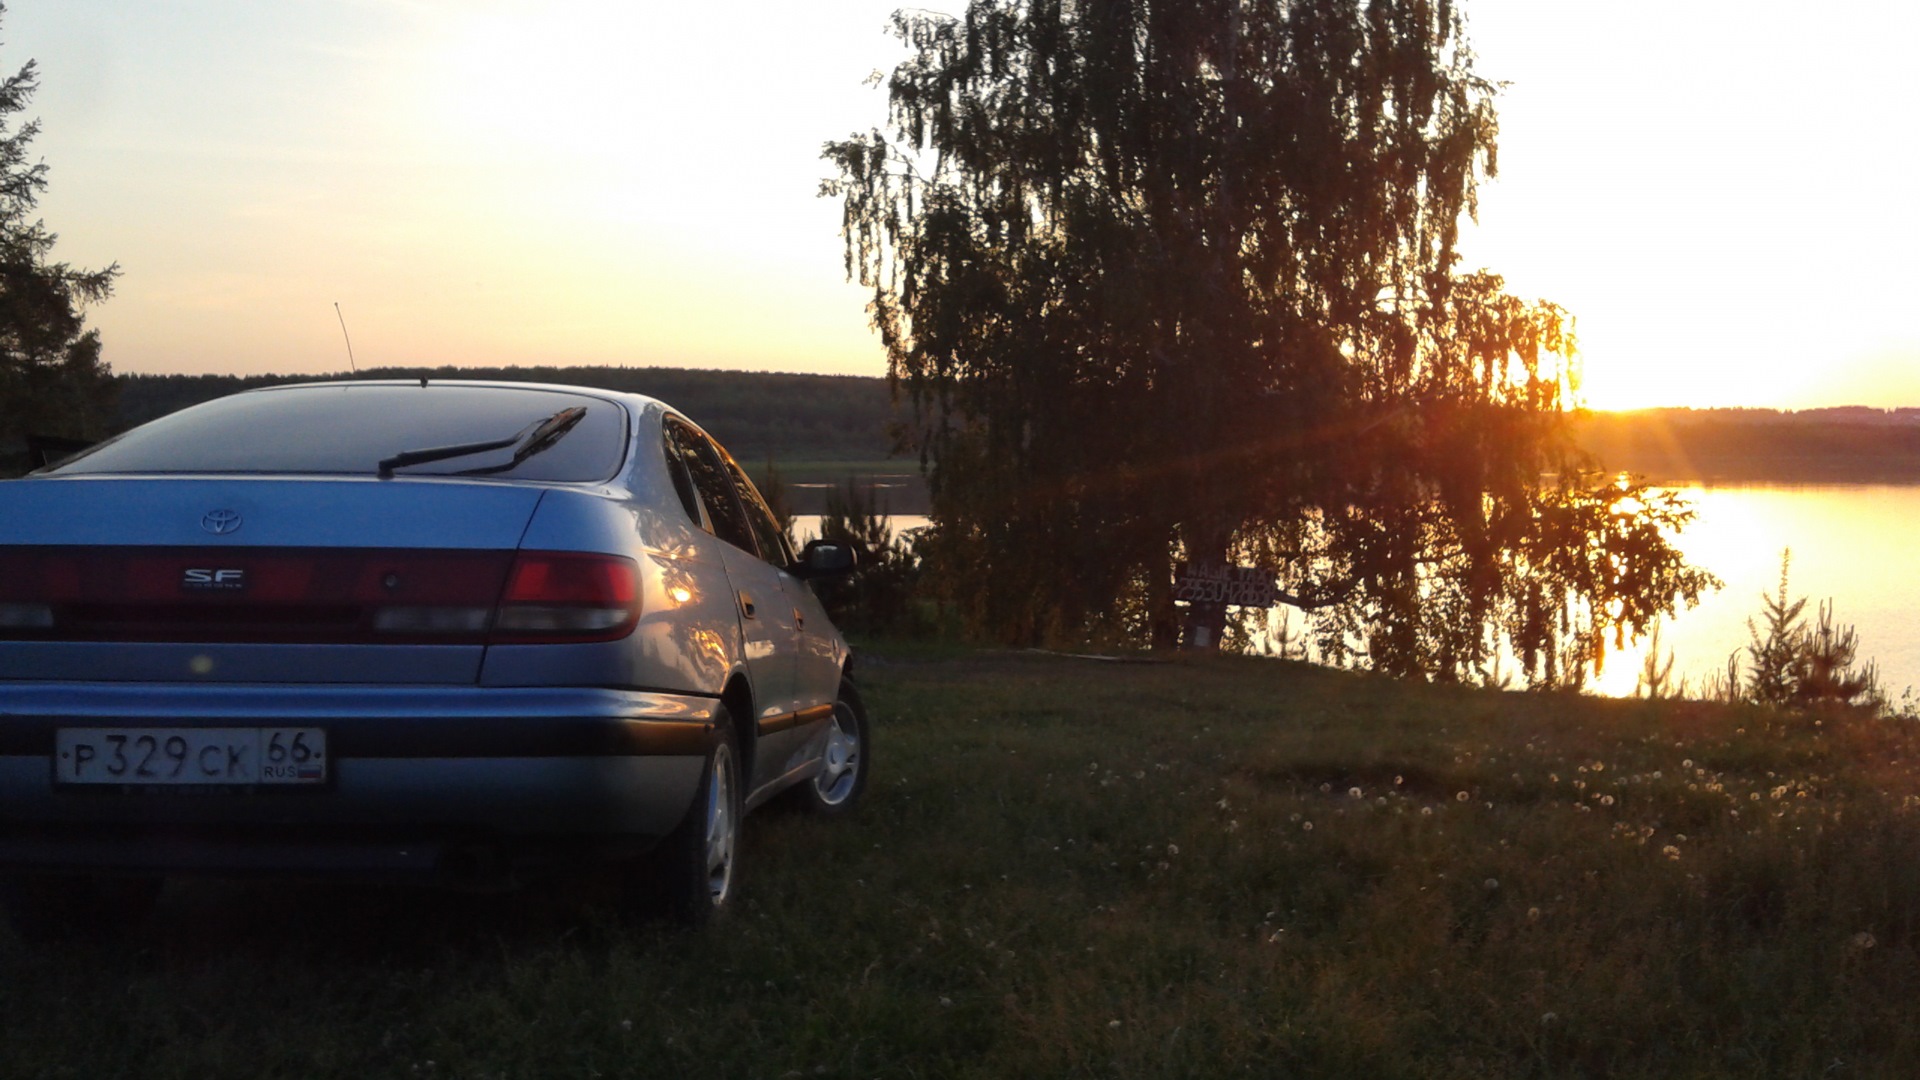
(738, 698)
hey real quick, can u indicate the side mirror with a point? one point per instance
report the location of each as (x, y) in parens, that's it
(823, 558)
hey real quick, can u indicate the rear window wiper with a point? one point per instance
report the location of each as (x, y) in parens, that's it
(531, 439)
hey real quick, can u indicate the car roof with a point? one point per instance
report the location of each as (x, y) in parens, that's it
(428, 382)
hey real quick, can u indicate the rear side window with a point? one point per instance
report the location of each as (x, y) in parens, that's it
(710, 476)
(773, 542)
(349, 429)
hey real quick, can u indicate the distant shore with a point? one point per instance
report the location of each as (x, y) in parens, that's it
(1751, 446)
(822, 429)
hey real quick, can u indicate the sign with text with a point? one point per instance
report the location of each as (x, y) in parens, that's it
(1238, 586)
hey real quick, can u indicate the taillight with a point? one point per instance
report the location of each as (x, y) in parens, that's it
(568, 596)
(322, 596)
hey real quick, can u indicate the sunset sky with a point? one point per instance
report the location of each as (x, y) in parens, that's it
(1721, 192)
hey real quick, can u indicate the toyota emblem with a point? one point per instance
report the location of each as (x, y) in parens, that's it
(221, 522)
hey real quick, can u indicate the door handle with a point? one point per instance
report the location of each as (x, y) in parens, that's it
(799, 620)
(746, 605)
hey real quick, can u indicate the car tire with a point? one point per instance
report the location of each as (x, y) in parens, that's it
(58, 907)
(694, 870)
(846, 759)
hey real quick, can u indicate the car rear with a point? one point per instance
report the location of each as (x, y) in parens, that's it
(255, 636)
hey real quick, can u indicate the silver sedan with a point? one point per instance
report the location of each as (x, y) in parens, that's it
(445, 630)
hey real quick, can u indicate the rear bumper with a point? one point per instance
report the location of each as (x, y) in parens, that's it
(422, 779)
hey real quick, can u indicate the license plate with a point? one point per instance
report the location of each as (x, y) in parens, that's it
(186, 756)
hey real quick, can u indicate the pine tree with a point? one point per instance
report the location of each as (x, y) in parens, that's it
(52, 379)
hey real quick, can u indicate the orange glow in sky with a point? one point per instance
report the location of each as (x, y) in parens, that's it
(1719, 191)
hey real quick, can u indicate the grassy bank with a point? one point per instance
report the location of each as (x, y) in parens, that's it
(1071, 868)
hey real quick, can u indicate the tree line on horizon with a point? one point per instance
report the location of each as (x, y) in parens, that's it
(789, 417)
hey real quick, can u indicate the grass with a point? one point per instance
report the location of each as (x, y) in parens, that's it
(1070, 868)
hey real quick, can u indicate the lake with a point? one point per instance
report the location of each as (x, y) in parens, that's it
(1850, 544)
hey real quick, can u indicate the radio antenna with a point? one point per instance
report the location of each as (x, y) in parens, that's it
(343, 335)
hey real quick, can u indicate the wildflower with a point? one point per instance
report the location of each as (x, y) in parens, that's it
(1114, 1024)
(1353, 793)
(1533, 914)
(1671, 852)
(946, 1003)
(626, 1025)
(1399, 780)
(1324, 788)
(1549, 1018)
(1687, 763)
(1173, 849)
(1306, 826)
(1606, 800)
(1460, 796)
(1864, 941)
(1492, 884)
(1426, 811)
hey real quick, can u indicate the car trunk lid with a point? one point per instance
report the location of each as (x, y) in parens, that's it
(296, 580)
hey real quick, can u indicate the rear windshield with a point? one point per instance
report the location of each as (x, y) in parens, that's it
(350, 429)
